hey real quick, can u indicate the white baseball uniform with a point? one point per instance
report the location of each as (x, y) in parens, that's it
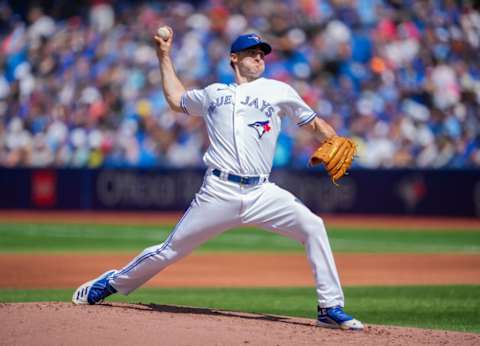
(243, 123)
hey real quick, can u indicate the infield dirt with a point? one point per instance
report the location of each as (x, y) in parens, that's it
(405, 223)
(243, 270)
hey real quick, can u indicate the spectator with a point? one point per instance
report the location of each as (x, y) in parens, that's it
(402, 78)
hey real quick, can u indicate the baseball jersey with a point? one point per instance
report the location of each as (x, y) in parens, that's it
(243, 122)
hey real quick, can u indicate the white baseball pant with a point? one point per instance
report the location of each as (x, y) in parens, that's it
(221, 205)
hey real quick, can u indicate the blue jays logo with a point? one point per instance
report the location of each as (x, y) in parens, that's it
(261, 127)
(254, 37)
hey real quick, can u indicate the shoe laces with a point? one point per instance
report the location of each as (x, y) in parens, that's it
(338, 314)
(100, 290)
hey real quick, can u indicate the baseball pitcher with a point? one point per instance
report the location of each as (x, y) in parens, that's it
(243, 121)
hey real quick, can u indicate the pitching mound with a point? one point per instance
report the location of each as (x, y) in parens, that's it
(127, 324)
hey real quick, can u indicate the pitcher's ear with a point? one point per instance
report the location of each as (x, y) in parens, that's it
(233, 58)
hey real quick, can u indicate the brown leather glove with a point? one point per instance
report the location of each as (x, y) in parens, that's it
(336, 154)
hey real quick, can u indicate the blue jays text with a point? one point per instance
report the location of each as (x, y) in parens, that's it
(249, 101)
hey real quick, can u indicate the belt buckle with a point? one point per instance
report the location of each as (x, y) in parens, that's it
(244, 181)
(223, 175)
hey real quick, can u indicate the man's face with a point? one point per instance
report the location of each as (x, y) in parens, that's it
(250, 62)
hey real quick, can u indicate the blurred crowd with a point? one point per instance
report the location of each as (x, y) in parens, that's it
(400, 77)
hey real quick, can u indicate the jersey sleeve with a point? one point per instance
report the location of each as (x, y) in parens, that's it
(193, 102)
(294, 106)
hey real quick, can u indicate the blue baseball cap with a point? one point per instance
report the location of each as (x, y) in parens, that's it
(247, 41)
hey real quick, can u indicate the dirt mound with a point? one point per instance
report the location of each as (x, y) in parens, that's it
(128, 324)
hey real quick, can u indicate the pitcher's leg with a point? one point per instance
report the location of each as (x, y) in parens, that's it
(208, 215)
(192, 230)
(214, 209)
(278, 210)
(319, 253)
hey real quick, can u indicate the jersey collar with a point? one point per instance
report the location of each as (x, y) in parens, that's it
(235, 85)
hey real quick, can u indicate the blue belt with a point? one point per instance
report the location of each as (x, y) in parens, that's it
(239, 179)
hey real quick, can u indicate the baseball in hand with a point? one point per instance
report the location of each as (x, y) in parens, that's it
(163, 32)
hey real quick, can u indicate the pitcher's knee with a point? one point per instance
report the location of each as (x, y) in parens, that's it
(314, 226)
(153, 249)
(319, 222)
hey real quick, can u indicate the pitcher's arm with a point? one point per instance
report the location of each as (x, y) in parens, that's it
(173, 88)
(321, 129)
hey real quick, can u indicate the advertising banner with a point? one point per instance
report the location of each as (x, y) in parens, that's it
(396, 192)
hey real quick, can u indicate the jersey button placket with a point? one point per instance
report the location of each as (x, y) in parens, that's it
(242, 150)
(237, 129)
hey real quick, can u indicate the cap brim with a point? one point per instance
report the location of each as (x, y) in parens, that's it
(265, 47)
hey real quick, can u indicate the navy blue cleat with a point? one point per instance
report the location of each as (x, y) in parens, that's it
(94, 291)
(335, 317)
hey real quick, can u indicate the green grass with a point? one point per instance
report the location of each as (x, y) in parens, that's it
(61, 238)
(437, 307)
